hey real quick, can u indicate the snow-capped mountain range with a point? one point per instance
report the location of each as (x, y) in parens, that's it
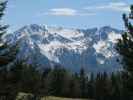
(46, 46)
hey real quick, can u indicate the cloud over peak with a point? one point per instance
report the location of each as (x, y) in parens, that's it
(62, 12)
(66, 12)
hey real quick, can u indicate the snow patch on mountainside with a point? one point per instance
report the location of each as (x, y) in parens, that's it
(113, 37)
(102, 48)
(106, 47)
(67, 33)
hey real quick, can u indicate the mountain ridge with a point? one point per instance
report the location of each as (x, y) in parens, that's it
(92, 48)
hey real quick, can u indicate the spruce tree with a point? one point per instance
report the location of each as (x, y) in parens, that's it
(7, 52)
(91, 86)
(83, 83)
(75, 90)
(56, 81)
(7, 56)
(125, 49)
(102, 87)
(116, 86)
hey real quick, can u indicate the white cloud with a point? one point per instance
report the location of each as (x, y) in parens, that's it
(66, 12)
(114, 6)
(62, 12)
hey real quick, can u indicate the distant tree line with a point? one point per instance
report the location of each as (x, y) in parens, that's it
(61, 82)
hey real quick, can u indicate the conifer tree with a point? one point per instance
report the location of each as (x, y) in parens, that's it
(56, 81)
(83, 83)
(91, 86)
(125, 49)
(102, 87)
(7, 56)
(116, 86)
(7, 52)
(75, 90)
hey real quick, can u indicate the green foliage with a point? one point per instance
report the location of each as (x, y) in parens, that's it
(7, 53)
(102, 87)
(58, 81)
(7, 58)
(83, 80)
(125, 49)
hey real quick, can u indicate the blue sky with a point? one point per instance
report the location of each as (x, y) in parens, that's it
(66, 13)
